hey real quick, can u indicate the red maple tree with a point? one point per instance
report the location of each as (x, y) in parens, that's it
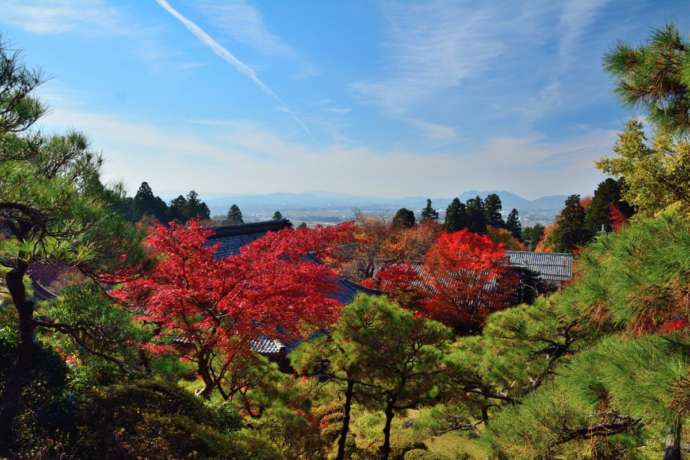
(210, 310)
(464, 277)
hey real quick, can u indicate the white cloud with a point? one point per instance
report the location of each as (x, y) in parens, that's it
(433, 46)
(576, 16)
(231, 156)
(93, 17)
(245, 24)
(434, 131)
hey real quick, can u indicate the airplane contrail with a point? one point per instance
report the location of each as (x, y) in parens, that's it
(228, 57)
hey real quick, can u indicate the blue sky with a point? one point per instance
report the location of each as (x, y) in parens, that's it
(365, 97)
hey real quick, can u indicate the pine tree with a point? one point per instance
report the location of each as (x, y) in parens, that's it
(655, 76)
(404, 218)
(277, 216)
(147, 204)
(513, 224)
(598, 215)
(196, 209)
(492, 211)
(234, 216)
(476, 218)
(429, 214)
(456, 217)
(178, 209)
(571, 231)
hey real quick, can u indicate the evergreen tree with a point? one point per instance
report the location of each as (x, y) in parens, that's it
(598, 215)
(302, 225)
(404, 218)
(429, 214)
(178, 209)
(234, 216)
(196, 209)
(492, 211)
(52, 212)
(476, 217)
(456, 216)
(513, 223)
(277, 216)
(572, 230)
(397, 355)
(532, 235)
(655, 76)
(148, 204)
(657, 175)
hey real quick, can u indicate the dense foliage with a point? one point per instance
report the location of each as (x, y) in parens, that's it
(147, 347)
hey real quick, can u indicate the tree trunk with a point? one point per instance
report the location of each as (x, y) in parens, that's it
(386, 447)
(17, 378)
(673, 441)
(346, 420)
(209, 383)
(485, 415)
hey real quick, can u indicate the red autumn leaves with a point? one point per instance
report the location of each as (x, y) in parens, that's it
(286, 279)
(271, 287)
(464, 277)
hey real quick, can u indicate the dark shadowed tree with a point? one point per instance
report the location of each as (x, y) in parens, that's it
(598, 215)
(429, 214)
(234, 216)
(513, 223)
(404, 218)
(148, 204)
(456, 217)
(476, 218)
(277, 215)
(571, 230)
(492, 210)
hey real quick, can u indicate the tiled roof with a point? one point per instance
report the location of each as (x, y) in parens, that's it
(550, 266)
(232, 237)
(268, 345)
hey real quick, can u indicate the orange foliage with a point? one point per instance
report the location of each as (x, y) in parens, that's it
(502, 235)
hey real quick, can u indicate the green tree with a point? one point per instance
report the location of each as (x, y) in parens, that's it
(492, 210)
(197, 209)
(234, 216)
(657, 175)
(429, 214)
(476, 216)
(655, 76)
(532, 235)
(513, 224)
(277, 215)
(147, 204)
(403, 218)
(456, 216)
(571, 230)
(598, 214)
(178, 209)
(399, 355)
(49, 213)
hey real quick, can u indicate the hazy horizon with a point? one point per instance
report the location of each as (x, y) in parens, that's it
(387, 99)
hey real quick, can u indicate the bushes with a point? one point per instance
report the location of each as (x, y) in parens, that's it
(45, 419)
(147, 419)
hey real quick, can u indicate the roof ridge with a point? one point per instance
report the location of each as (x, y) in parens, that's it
(249, 228)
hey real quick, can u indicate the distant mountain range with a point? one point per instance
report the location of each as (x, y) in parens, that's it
(308, 201)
